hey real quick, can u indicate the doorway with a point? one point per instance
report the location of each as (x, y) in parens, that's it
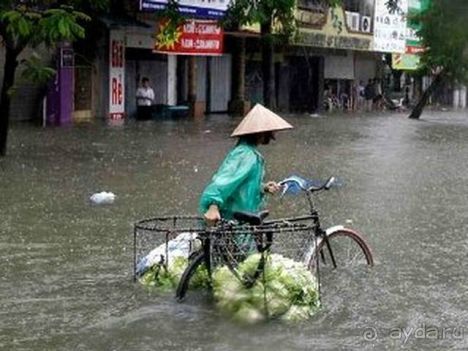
(306, 82)
(83, 95)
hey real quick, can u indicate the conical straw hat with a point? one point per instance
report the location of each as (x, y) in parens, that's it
(259, 120)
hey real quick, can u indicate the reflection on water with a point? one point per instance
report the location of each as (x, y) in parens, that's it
(66, 265)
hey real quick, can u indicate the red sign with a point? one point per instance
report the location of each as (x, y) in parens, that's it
(414, 50)
(194, 37)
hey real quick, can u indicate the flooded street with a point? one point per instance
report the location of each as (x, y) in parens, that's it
(66, 265)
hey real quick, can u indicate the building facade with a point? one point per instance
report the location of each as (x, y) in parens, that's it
(336, 49)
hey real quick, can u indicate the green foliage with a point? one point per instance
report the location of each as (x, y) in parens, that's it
(445, 36)
(277, 13)
(34, 70)
(61, 24)
(172, 19)
(33, 22)
(33, 25)
(171, 13)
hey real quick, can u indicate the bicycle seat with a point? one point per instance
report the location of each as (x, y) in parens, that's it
(251, 218)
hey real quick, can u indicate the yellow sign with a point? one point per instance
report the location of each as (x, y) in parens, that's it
(405, 62)
(330, 28)
(335, 30)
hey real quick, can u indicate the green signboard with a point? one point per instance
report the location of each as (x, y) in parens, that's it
(415, 8)
(405, 62)
(410, 60)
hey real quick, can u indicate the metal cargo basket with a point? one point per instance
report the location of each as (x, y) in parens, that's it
(229, 244)
(158, 232)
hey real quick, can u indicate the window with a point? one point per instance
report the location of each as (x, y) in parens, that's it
(313, 5)
(364, 7)
(359, 15)
(351, 5)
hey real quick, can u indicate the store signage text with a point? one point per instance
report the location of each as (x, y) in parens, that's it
(194, 37)
(193, 8)
(390, 25)
(117, 75)
(334, 41)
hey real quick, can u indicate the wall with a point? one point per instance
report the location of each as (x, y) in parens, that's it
(332, 31)
(220, 83)
(339, 66)
(26, 102)
(155, 70)
(101, 79)
(365, 67)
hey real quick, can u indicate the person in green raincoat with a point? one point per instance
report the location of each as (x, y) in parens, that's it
(238, 185)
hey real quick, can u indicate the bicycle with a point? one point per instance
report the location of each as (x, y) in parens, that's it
(322, 247)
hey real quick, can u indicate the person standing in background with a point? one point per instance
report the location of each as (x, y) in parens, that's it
(378, 95)
(369, 95)
(145, 100)
(360, 96)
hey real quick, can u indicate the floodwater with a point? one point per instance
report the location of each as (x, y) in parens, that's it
(65, 273)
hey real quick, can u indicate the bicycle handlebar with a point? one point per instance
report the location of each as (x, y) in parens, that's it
(328, 184)
(312, 189)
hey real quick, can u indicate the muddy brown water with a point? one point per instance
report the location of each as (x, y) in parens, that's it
(65, 281)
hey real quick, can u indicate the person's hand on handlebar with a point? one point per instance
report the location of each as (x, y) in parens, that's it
(271, 188)
(212, 216)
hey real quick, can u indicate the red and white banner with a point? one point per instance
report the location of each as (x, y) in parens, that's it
(194, 37)
(414, 50)
(117, 75)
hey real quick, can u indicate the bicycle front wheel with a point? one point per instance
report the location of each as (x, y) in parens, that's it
(344, 248)
(197, 262)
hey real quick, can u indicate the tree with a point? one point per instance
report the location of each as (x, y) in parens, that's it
(277, 21)
(277, 25)
(30, 23)
(445, 38)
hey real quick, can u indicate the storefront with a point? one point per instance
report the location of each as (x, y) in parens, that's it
(142, 62)
(192, 61)
(339, 43)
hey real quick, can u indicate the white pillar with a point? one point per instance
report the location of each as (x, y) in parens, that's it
(456, 97)
(171, 79)
(463, 96)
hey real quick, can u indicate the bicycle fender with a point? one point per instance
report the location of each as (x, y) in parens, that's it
(311, 249)
(334, 229)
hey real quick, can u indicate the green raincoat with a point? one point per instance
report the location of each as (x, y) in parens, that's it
(237, 185)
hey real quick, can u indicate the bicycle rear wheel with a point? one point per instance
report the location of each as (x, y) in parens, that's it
(345, 249)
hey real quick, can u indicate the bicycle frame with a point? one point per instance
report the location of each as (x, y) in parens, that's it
(319, 232)
(317, 239)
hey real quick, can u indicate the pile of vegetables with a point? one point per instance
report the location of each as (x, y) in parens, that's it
(167, 278)
(286, 290)
(152, 271)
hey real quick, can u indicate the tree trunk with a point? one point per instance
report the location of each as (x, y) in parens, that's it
(268, 66)
(418, 109)
(238, 76)
(192, 79)
(238, 104)
(8, 80)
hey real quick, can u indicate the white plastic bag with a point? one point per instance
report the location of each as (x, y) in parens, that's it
(103, 198)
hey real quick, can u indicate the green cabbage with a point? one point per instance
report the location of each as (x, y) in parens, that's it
(168, 279)
(285, 290)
